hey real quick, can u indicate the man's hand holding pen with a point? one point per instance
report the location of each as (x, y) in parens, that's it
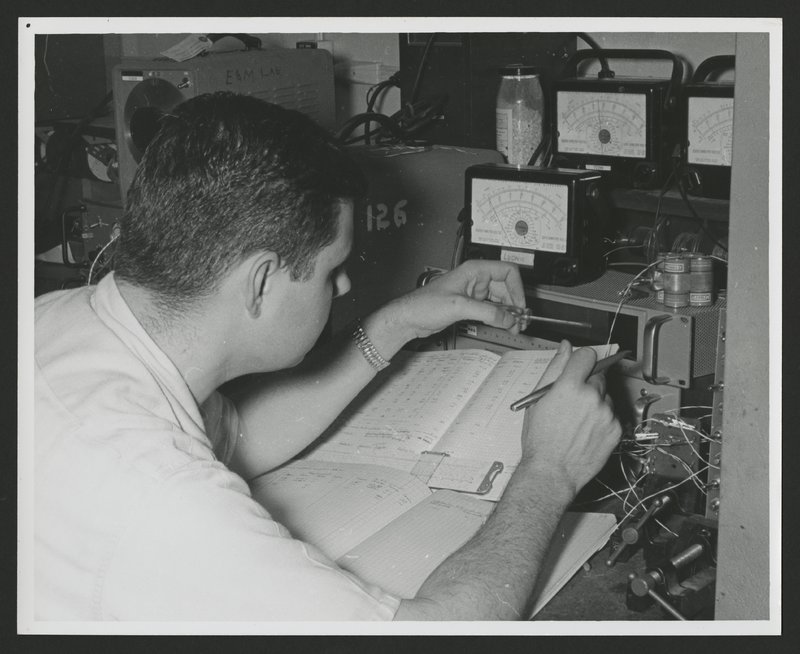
(572, 429)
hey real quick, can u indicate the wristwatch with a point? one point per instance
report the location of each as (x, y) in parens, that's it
(367, 348)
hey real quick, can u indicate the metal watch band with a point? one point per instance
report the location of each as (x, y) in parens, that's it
(372, 355)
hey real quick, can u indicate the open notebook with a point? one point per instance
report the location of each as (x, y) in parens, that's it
(389, 528)
(443, 416)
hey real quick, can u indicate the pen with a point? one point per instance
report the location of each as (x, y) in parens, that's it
(539, 393)
(524, 316)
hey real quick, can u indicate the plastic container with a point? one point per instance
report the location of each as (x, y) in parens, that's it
(519, 114)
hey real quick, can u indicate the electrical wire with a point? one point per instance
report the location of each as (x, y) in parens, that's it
(46, 67)
(421, 67)
(605, 71)
(658, 222)
(704, 221)
(704, 224)
(659, 491)
(97, 258)
(624, 247)
(374, 92)
(404, 125)
(624, 296)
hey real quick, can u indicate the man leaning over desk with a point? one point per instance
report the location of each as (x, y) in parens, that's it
(235, 240)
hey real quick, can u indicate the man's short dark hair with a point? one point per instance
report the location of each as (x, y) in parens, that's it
(227, 175)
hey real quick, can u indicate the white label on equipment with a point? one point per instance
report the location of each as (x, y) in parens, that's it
(517, 257)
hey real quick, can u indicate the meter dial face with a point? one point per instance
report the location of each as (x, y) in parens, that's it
(517, 214)
(609, 124)
(710, 131)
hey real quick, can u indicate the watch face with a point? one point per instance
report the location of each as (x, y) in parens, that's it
(517, 214)
(710, 131)
(608, 124)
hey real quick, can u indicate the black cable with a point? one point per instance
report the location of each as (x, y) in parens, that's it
(415, 117)
(420, 68)
(605, 71)
(680, 174)
(365, 119)
(657, 224)
(374, 91)
(543, 145)
(402, 126)
(704, 226)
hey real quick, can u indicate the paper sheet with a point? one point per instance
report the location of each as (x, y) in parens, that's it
(336, 505)
(577, 538)
(402, 555)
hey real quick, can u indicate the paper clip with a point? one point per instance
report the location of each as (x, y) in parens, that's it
(486, 485)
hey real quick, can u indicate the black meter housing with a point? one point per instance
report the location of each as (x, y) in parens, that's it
(707, 119)
(549, 221)
(625, 127)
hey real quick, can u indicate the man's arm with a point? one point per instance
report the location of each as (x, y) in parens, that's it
(567, 438)
(282, 413)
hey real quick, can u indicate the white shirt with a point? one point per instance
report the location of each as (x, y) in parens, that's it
(136, 518)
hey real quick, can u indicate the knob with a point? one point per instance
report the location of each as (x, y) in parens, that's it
(645, 584)
(631, 535)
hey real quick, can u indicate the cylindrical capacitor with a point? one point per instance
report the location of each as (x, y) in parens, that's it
(677, 281)
(701, 274)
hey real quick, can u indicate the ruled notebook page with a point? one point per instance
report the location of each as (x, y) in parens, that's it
(487, 428)
(406, 409)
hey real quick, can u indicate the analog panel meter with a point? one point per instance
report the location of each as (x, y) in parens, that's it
(549, 221)
(622, 126)
(610, 124)
(519, 214)
(709, 131)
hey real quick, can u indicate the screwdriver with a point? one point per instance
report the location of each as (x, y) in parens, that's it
(525, 316)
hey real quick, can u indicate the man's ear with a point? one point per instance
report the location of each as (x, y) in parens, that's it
(259, 270)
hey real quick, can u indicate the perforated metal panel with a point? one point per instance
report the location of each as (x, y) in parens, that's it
(605, 294)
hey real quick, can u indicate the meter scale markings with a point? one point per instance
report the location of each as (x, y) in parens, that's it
(610, 124)
(523, 217)
(710, 131)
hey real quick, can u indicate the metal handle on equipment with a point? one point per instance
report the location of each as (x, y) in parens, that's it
(715, 64)
(625, 53)
(650, 350)
(645, 584)
(249, 41)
